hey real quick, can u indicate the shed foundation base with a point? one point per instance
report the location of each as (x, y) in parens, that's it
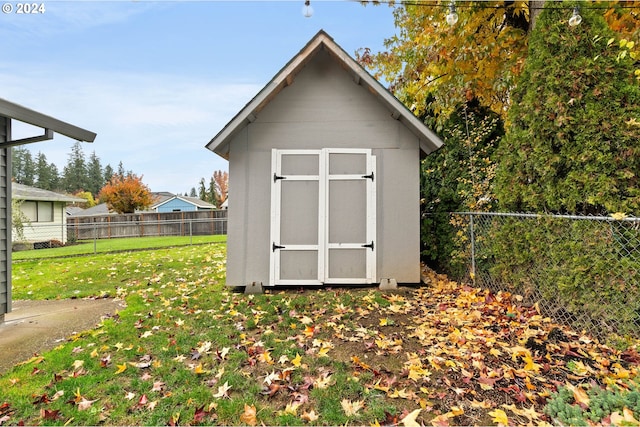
(388, 284)
(253, 288)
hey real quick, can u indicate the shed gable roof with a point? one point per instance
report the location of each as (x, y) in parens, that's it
(429, 141)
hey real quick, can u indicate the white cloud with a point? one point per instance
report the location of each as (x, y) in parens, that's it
(156, 124)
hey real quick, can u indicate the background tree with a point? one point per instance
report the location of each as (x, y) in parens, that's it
(221, 179)
(74, 174)
(48, 176)
(217, 190)
(193, 193)
(458, 177)
(95, 177)
(573, 139)
(107, 173)
(23, 166)
(478, 57)
(88, 196)
(126, 194)
(212, 192)
(78, 174)
(121, 171)
(202, 190)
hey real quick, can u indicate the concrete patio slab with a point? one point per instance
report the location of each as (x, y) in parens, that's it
(36, 326)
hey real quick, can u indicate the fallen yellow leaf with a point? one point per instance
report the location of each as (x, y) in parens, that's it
(500, 417)
(309, 416)
(297, 360)
(351, 408)
(248, 417)
(410, 419)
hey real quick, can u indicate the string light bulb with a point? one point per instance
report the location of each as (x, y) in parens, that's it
(452, 16)
(307, 10)
(575, 19)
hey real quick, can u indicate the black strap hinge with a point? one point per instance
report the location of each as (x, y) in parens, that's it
(370, 245)
(277, 177)
(370, 176)
(274, 247)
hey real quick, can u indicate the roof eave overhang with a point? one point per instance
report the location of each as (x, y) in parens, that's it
(50, 125)
(48, 199)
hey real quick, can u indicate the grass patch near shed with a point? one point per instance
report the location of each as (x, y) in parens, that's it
(187, 350)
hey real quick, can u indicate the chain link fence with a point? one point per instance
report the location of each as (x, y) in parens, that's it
(581, 271)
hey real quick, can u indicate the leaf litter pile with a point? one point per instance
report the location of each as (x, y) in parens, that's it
(188, 351)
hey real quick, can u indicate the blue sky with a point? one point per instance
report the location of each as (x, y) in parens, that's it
(156, 80)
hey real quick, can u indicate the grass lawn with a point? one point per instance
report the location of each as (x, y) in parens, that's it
(189, 351)
(116, 245)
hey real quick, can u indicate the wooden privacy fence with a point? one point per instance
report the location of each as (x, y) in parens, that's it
(196, 223)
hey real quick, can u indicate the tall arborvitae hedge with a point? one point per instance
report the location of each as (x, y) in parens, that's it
(572, 142)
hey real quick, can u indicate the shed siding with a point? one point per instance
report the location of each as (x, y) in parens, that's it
(5, 219)
(324, 108)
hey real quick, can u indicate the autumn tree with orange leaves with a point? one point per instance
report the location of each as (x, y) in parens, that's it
(481, 57)
(126, 193)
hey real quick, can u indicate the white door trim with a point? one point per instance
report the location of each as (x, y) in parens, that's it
(323, 177)
(276, 198)
(370, 269)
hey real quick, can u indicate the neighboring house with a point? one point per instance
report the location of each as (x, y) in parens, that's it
(164, 202)
(327, 165)
(175, 203)
(45, 212)
(9, 112)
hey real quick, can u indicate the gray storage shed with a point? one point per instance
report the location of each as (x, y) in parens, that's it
(324, 177)
(10, 111)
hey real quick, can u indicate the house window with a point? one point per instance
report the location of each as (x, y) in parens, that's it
(38, 211)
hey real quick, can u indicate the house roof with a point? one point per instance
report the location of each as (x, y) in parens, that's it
(429, 141)
(191, 200)
(160, 198)
(97, 210)
(25, 192)
(73, 210)
(49, 124)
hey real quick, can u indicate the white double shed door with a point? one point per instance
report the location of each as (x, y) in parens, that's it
(323, 217)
